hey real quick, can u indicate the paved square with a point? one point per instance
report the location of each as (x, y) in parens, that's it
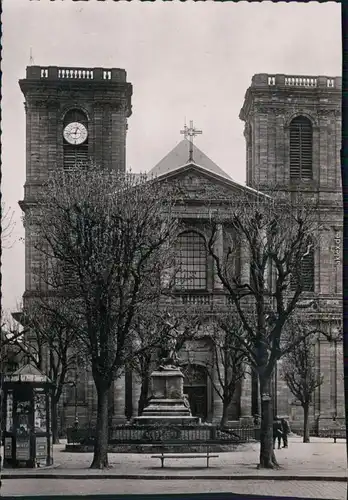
(320, 457)
(304, 489)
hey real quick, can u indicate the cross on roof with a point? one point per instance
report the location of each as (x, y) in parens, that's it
(189, 133)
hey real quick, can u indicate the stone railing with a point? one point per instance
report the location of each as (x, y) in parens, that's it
(295, 81)
(195, 299)
(298, 81)
(63, 73)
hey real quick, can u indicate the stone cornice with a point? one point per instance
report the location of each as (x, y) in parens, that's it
(40, 92)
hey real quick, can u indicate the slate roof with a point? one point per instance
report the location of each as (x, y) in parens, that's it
(31, 370)
(179, 156)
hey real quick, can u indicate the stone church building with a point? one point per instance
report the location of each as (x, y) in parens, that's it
(292, 128)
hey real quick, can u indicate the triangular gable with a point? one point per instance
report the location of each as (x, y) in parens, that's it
(179, 157)
(29, 369)
(196, 178)
(27, 373)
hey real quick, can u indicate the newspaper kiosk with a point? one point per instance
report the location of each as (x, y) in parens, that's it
(27, 423)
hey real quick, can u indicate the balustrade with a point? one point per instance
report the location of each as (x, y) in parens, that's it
(297, 81)
(75, 73)
(195, 299)
(64, 73)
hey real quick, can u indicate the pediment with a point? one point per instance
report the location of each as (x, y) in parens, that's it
(198, 183)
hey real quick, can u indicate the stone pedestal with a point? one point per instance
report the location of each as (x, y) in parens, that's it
(167, 402)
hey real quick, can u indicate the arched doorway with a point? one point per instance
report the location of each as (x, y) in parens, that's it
(195, 386)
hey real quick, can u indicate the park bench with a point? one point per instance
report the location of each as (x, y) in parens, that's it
(207, 454)
(338, 433)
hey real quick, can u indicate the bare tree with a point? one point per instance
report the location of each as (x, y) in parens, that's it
(262, 268)
(49, 343)
(229, 360)
(7, 226)
(301, 375)
(109, 235)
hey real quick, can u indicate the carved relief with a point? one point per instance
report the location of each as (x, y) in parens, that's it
(71, 95)
(201, 187)
(36, 103)
(198, 345)
(323, 113)
(109, 105)
(53, 105)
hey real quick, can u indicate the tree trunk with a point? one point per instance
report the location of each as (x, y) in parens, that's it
(267, 455)
(224, 418)
(305, 423)
(143, 395)
(54, 423)
(100, 456)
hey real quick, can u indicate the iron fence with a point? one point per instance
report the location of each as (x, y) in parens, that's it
(152, 434)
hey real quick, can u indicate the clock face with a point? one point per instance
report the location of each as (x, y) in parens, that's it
(75, 133)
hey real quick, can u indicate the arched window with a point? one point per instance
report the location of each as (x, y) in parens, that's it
(191, 261)
(301, 148)
(305, 273)
(75, 153)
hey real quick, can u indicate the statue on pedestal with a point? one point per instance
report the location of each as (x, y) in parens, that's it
(168, 357)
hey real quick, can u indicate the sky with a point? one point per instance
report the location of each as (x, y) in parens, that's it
(191, 60)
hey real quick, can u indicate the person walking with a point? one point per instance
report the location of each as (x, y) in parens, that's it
(277, 432)
(285, 431)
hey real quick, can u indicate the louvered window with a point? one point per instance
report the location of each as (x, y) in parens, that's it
(75, 155)
(301, 148)
(305, 274)
(191, 262)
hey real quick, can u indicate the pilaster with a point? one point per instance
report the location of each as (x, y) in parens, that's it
(219, 251)
(119, 400)
(245, 399)
(244, 261)
(217, 401)
(135, 394)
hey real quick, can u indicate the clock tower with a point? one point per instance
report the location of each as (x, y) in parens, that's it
(73, 116)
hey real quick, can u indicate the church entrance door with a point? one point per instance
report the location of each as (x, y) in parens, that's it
(195, 386)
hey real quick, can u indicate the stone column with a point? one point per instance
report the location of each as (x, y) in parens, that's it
(168, 271)
(136, 394)
(219, 251)
(283, 393)
(119, 399)
(340, 380)
(217, 401)
(245, 398)
(326, 352)
(244, 261)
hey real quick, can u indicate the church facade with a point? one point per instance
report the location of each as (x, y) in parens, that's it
(292, 132)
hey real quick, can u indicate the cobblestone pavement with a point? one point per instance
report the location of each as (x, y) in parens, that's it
(302, 489)
(320, 458)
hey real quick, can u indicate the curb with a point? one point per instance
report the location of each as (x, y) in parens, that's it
(225, 477)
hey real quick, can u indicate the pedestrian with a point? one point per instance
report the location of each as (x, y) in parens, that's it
(277, 432)
(285, 431)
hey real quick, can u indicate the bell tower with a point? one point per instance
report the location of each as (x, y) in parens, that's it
(293, 132)
(293, 141)
(73, 115)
